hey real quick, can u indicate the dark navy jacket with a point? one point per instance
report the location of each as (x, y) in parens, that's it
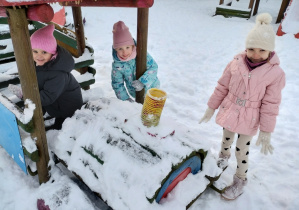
(60, 93)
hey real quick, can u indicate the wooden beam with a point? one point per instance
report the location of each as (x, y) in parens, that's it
(142, 32)
(283, 7)
(250, 4)
(110, 3)
(79, 30)
(42, 12)
(256, 7)
(27, 2)
(22, 48)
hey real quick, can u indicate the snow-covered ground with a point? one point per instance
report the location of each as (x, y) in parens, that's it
(192, 48)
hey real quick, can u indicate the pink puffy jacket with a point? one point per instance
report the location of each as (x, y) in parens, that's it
(247, 99)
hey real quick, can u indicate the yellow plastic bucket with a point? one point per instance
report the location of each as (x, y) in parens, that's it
(152, 107)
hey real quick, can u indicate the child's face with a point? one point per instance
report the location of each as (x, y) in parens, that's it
(257, 55)
(40, 56)
(124, 51)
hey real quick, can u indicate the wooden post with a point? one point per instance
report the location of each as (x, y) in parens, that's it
(79, 30)
(283, 7)
(22, 48)
(142, 31)
(256, 7)
(250, 4)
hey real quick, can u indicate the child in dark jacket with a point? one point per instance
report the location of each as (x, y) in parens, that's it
(60, 93)
(124, 65)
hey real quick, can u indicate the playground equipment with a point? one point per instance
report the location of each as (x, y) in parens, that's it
(290, 19)
(228, 8)
(237, 8)
(19, 33)
(132, 166)
(167, 165)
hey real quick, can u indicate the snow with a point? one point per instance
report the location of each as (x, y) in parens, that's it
(290, 24)
(24, 116)
(192, 48)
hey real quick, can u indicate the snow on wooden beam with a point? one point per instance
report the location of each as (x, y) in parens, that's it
(42, 12)
(110, 3)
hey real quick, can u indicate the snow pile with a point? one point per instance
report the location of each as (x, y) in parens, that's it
(116, 156)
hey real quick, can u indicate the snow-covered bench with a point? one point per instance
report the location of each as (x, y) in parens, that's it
(233, 8)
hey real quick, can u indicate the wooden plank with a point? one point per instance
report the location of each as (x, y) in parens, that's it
(283, 7)
(33, 156)
(232, 12)
(142, 33)
(91, 81)
(28, 2)
(6, 34)
(251, 4)
(256, 7)
(228, 9)
(42, 12)
(21, 42)
(58, 34)
(110, 3)
(229, 14)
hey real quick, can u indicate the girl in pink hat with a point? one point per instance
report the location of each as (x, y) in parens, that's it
(124, 66)
(60, 93)
(248, 96)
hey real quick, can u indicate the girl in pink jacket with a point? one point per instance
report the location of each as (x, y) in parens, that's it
(248, 96)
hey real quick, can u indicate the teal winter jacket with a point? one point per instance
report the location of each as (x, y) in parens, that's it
(124, 72)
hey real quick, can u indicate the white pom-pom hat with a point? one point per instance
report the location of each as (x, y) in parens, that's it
(262, 35)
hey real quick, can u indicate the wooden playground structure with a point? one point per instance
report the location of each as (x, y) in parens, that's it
(19, 13)
(36, 14)
(225, 8)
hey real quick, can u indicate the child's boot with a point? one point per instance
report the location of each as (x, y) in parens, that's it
(234, 190)
(222, 161)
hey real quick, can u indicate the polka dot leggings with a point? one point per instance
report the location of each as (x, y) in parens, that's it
(242, 151)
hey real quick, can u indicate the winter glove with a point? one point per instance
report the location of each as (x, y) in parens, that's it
(137, 85)
(130, 100)
(207, 116)
(264, 139)
(16, 90)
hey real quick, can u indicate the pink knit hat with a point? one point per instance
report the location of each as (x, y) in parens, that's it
(43, 39)
(121, 35)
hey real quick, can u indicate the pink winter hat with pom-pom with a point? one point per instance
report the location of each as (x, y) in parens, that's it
(121, 35)
(43, 39)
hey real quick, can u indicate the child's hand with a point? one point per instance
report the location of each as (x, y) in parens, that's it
(16, 90)
(207, 116)
(264, 139)
(137, 85)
